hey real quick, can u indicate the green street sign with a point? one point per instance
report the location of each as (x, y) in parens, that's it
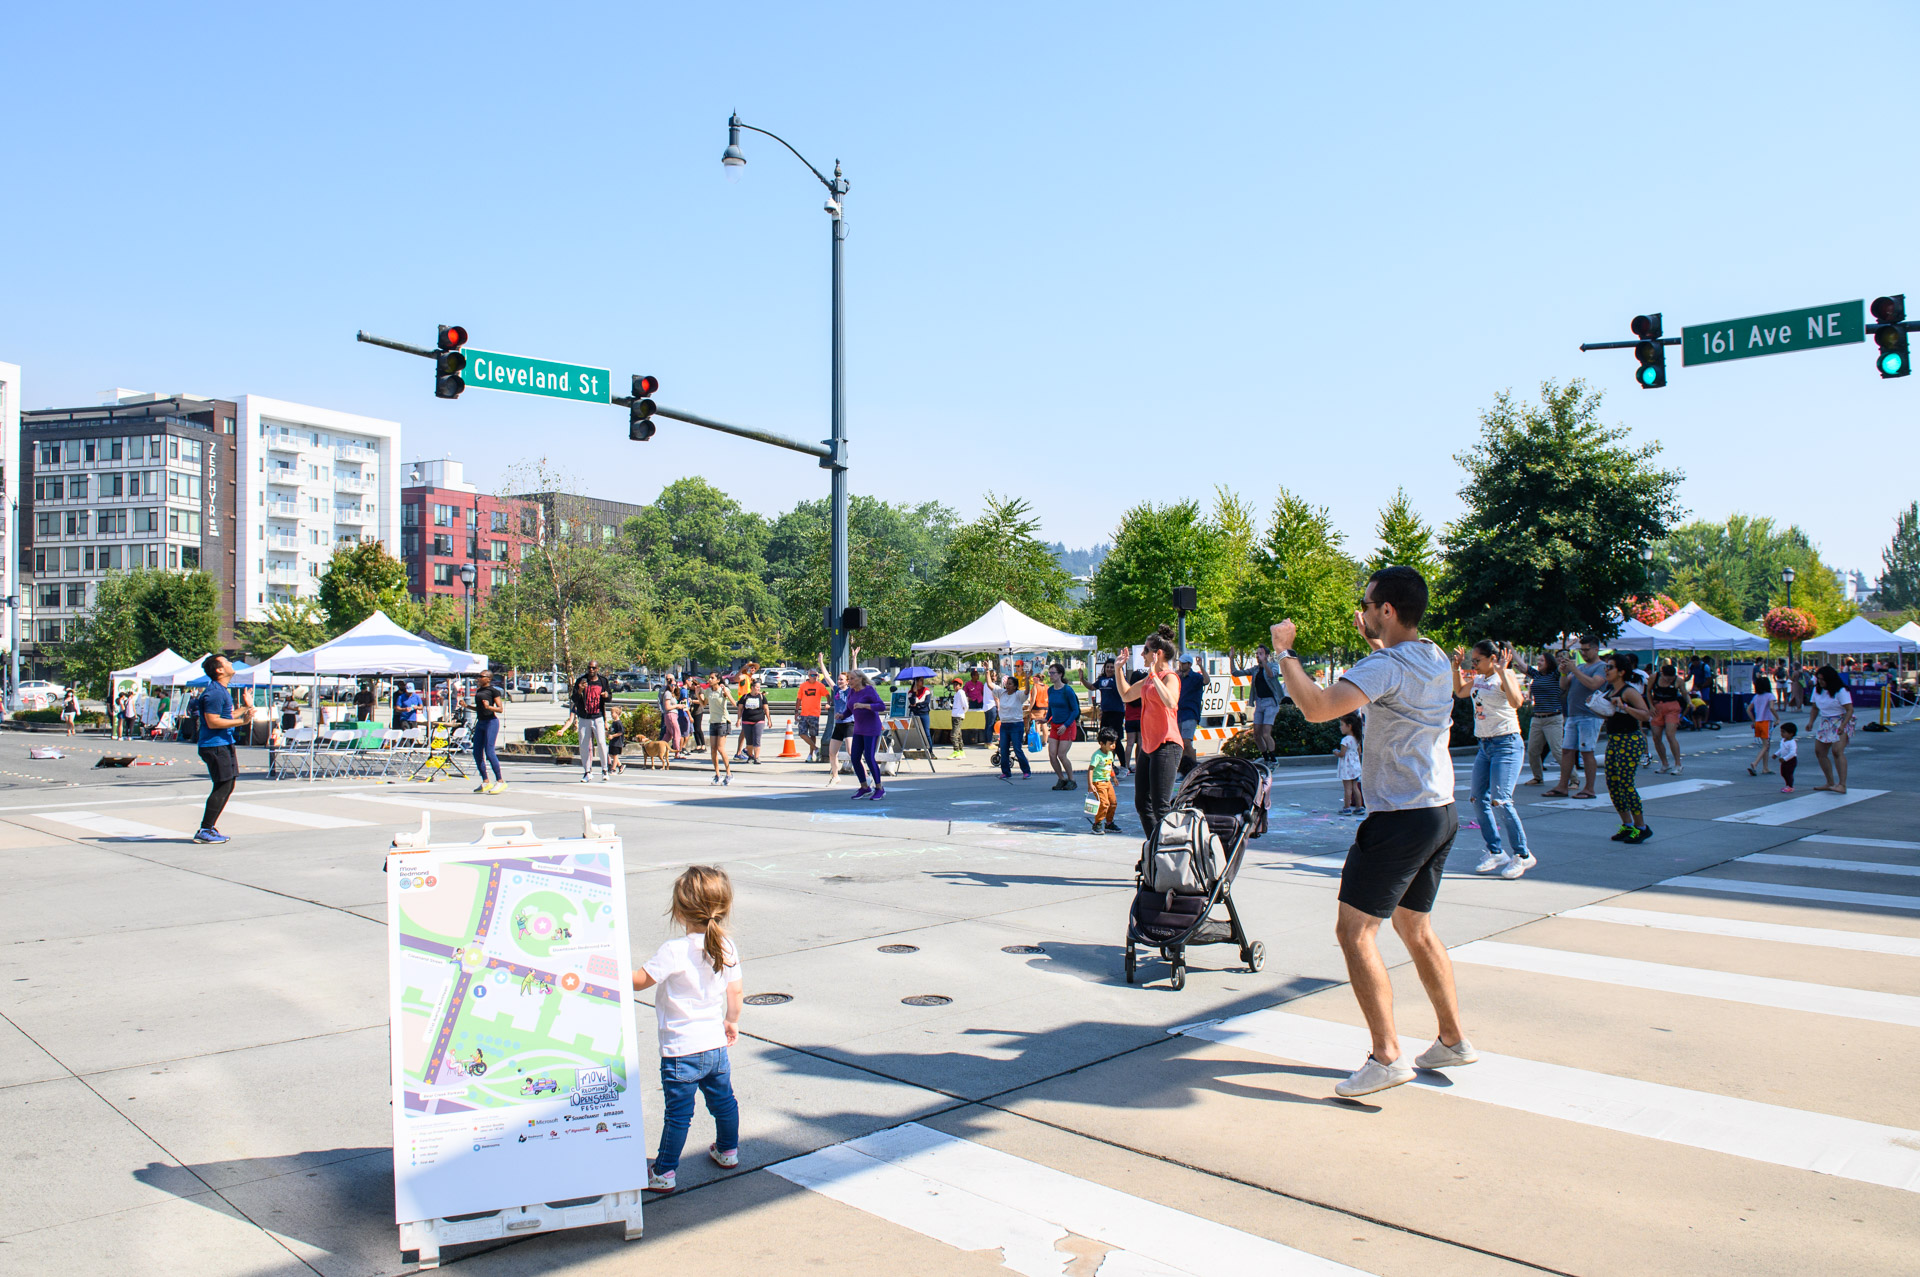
(1775, 334)
(491, 370)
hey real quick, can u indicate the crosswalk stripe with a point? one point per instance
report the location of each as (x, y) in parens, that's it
(1837, 840)
(436, 804)
(1845, 866)
(1842, 1146)
(1740, 928)
(1671, 789)
(976, 1198)
(289, 816)
(1786, 891)
(108, 826)
(1699, 982)
(1801, 808)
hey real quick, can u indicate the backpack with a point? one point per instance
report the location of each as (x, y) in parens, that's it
(1185, 856)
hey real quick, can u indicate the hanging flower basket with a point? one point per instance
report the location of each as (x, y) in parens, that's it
(1789, 624)
(1651, 611)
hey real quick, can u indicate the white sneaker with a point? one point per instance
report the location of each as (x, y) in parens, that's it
(728, 1159)
(1374, 1076)
(1442, 1056)
(1490, 862)
(1517, 866)
(657, 1183)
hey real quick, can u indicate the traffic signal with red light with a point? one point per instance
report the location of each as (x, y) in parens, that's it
(450, 363)
(1652, 373)
(1895, 358)
(640, 411)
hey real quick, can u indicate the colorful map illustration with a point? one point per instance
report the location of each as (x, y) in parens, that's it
(507, 972)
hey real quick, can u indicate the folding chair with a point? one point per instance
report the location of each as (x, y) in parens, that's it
(294, 755)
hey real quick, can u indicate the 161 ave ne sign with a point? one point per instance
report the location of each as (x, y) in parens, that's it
(1775, 334)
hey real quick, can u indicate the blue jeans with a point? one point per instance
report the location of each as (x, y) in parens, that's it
(1013, 744)
(1496, 769)
(485, 733)
(711, 1074)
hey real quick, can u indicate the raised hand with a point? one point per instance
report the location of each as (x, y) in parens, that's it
(1284, 633)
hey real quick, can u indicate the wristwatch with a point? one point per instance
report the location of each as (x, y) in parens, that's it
(1287, 654)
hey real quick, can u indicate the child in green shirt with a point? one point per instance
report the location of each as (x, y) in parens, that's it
(1100, 783)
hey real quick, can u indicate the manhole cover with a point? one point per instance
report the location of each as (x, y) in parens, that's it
(926, 1000)
(899, 948)
(1022, 948)
(767, 999)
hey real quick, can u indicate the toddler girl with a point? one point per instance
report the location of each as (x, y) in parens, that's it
(698, 1009)
(1347, 762)
(1788, 754)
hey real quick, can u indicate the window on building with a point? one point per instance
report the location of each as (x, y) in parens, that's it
(40, 558)
(497, 520)
(77, 523)
(190, 450)
(153, 555)
(496, 578)
(49, 489)
(49, 631)
(226, 425)
(497, 551)
(113, 449)
(564, 529)
(109, 558)
(113, 485)
(46, 526)
(410, 516)
(77, 595)
(77, 487)
(89, 449)
(473, 547)
(71, 450)
(443, 516)
(50, 453)
(443, 543)
(473, 516)
(70, 559)
(189, 556)
(149, 486)
(173, 556)
(146, 520)
(173, 448)
(606, 532)
(136, 446)
(108, 522)
(529, 522)
(409, 544)
(443, 574)
(49, 596)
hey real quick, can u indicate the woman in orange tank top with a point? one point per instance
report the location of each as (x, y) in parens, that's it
(1159, 697)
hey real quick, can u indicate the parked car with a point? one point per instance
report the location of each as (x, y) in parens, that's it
(41, 687)
(784, 676)
(873, 674)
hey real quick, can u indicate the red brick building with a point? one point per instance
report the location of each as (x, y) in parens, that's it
(445, 524)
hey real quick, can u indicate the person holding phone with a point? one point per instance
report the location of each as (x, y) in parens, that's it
(1157, 762)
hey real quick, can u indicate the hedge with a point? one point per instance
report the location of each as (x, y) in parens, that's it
(88, 717)
(642, 720)
(1294, 735)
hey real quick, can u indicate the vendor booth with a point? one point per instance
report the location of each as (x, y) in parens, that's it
(1861, 637)
(1003, 631)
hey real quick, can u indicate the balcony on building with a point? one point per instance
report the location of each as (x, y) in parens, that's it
(280, 439)
(283, 541)
(354, 452)
(352, 483)
(283, 510)
(352, 514)
(283, 573)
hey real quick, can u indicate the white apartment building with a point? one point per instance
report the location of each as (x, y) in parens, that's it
(311, 478)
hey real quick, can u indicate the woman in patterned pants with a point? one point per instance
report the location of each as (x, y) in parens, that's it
(1625, 747)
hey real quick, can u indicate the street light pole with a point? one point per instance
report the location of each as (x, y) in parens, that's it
(1786, 579)
(467, 577)
(734, 159)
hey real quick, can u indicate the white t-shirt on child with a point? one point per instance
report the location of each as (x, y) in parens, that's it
(690, 997)
(1788, 748)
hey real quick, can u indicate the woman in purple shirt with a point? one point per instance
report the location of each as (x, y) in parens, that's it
(864, 708)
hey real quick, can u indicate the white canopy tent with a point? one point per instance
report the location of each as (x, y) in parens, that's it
(1698, 630)
(1911, 630)
(378, 646)
(191, 674)
(261, 674)
(1637, 636)
(1005, 628)
(162, 664)
(1859, 637)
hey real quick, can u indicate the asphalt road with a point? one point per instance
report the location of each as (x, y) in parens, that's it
(1697, 1050)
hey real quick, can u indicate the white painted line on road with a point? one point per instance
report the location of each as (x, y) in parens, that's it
(976, 1198)
(1802, 808)
(287, 816)
(437, 804)
(110, 826)
(1845, 866)
(1740, 928)
(1783, 891)
(1842, 1146)
(1672, 789)
(1837, 840)
(591, 797)
(1727, 986)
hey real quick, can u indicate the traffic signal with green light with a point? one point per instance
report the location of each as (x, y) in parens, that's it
(640, 411)
(450, 363)
(1894, 358)
(1652, 373)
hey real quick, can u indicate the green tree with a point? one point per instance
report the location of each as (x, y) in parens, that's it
(1815, 588)
(295, 623)
(361, 579)
(1746, 552)
(1708, 586)
(997, 556)
(1557, 515)
(1405, 539)
(1300, 573)
(1900, 562)
(135, 615)
(703, 556)
(1157, 548)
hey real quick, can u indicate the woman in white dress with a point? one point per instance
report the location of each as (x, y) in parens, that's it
(1831, 722)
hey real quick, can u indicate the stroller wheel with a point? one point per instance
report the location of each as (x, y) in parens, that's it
(1255, 955)
(1179, 976)
(1132, 962)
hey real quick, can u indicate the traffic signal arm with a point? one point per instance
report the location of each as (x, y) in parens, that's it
(1626, 345)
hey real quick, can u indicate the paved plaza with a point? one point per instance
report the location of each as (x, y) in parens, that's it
(1697, 1052)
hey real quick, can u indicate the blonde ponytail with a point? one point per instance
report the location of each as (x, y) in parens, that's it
(702, 899)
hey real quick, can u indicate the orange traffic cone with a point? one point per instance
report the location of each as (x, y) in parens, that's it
(790, 749)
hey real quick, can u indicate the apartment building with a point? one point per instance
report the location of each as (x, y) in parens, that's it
(312, 478)
(139, 481)
(577, 518)
(447, 523)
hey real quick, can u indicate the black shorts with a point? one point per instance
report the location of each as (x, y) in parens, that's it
(716, 731)
(223, 764)
(750, 733)
(842, 730)
(1133, 727)
(1396, 860)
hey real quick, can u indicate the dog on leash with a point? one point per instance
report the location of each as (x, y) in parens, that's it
(653, 753)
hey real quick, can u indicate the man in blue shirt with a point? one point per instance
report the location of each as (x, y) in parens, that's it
(1113, 710)
(218, 719)
(406, 708)
(1193, 692)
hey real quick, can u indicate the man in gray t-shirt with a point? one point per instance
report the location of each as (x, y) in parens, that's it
(1580, 732)
(1406, 777)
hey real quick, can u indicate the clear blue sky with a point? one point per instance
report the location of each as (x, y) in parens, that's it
(1099, 254)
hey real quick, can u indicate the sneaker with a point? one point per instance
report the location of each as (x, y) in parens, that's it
(1641, 834)
(1442, 1056)
(1374, 1076)
(210, 835)
(726, 780)
(499, 786)
(1517, 866)
(862, 792)
(483, 788)
(603, 778)
(1489, 863)
(1786, 789)
(729, 1159)
(1112, 828)
(716, 778)
(586, 778)
(1623, 834)
(658, 1183)
(880, 793)
(1359, 811)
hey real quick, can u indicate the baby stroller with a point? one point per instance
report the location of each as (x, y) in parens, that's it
(1187, 867)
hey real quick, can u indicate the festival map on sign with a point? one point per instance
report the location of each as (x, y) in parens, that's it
(511, 1017)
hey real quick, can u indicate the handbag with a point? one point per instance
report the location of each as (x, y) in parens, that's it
(1035, 744)
(1601, 705)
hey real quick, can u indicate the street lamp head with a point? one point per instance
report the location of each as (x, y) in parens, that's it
(733, 159)
(1646, 554)
(467, 575)
(1786, 576)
